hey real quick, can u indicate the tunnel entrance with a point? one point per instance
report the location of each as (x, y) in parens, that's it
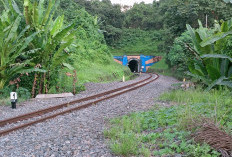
(133, 65)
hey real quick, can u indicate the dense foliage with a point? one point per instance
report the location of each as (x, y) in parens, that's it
(136, 41)
(180, 53)
(151, 29)
(40, 48)
(211, 64)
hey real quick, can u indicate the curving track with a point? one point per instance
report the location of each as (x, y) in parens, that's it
(52, 112)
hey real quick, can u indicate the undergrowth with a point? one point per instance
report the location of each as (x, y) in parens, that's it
(162, 131)
(23, 95)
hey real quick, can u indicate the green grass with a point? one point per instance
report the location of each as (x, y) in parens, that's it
(23, 95)
(216, 105)
(7, 102)
(102, 69)
(162, 68)
(162, 131)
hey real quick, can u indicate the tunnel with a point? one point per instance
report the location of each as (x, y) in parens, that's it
(133, 65)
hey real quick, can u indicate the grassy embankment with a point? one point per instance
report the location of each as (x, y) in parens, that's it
(162, 131)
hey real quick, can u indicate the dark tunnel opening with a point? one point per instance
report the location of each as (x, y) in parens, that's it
(134, 66)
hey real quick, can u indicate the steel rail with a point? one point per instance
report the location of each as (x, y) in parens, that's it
(7, 131)
(51, 109)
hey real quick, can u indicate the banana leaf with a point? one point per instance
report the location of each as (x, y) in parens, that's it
(226, 83)
(217, 56)
(216, 82)
(224, 67)
(205, 80)
(214, 38)
(213, 72)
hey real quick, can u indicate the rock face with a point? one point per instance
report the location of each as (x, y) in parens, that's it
(80, 133)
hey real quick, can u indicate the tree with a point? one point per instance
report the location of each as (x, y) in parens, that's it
(52, 38)
(178, 13)
(14, 46)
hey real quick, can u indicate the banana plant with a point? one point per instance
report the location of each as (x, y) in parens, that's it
(52, 38)
(210, 65)
(13, 44)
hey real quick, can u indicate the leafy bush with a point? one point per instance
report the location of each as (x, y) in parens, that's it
(90, 56)
(210, 64)
(23, 93)
(5, 92)
(179, 54)
(48, 44)
(13, 46)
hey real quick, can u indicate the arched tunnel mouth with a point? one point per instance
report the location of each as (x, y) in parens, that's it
(134, 66)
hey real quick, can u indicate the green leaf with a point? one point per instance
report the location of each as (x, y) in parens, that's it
(48, 11)
(70, 67)
(13, 29)
(226, 83)
(217, 56)
(58, 24)
(224, 67)
(35, 16)
(228, 1)
(213, 72)
(215, 38)
(26, 3)
(205, 80)
(23, 32)
(27, 42)
(202, 31)
(224, 26)
(41, 10)
(216, 82)
(196, 67)
(230, 72)
(33, 70)
(59, 36)
(16, 8)
(193, 35)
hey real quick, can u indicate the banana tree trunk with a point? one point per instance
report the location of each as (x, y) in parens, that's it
(34, 86)
(26, 6)
(41, 84)
(2, 84)
(74, 81)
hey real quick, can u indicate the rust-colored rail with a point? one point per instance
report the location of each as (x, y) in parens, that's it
(51, 109)
(44, 111)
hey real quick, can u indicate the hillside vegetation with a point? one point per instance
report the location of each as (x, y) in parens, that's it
(53, 53)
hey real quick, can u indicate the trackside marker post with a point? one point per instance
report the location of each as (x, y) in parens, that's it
(13, 98)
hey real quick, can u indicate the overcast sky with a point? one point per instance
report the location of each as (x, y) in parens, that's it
(130, 2)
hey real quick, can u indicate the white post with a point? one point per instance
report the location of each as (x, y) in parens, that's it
(123, 78)
(13, 97)
(206, 21)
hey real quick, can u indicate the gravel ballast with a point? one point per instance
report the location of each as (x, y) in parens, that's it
(38, 104)
(79, 133)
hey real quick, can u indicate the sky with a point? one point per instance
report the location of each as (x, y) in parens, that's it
(130, 2)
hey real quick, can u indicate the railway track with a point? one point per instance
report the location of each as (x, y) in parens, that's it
(25, 120)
